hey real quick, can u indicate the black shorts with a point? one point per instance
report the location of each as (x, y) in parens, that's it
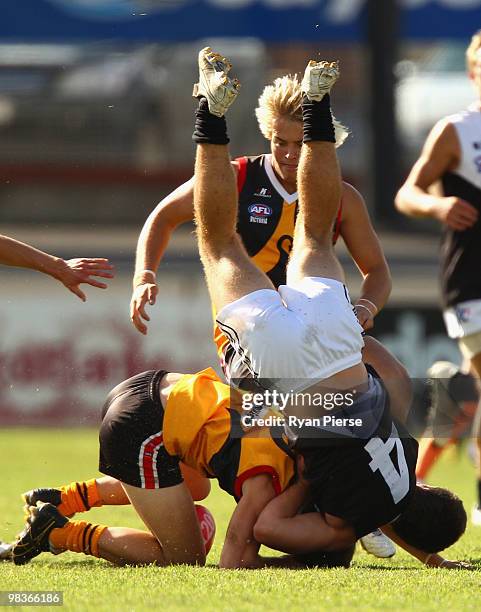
(131, 439)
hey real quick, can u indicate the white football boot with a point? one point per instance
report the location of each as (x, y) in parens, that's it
(378, 544)
(6, 551)
(319, 77)
(219, 90)
(476, 516)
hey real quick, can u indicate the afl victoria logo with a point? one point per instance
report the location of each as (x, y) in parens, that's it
(260, 210)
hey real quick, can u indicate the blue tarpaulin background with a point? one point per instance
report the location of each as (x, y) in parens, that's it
(182, 20)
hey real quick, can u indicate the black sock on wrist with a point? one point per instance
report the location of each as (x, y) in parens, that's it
(209, 129)
(317, 120)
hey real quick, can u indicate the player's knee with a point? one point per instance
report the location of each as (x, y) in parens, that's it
(200, 489)
(434, 519)
(264, 530)
(194, 557)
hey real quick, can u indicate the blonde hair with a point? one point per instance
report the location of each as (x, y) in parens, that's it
(472, 50)
(284, 98)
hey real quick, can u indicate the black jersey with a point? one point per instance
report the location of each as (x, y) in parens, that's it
(461, 250)
(266, 216)
(367, 481)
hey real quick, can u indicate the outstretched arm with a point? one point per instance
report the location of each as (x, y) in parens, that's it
(429, 559)
(71, 273)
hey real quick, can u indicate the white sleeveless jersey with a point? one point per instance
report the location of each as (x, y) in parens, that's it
(461, 250)
(467, 124)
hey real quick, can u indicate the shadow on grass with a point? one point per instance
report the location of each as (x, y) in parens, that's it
(389, 568)
(475, 563)
(56, 564)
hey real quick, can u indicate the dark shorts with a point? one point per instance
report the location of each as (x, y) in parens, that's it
(131, 438)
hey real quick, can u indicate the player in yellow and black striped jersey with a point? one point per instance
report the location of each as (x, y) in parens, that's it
(267, 206)
(202, 429)
(266, 217)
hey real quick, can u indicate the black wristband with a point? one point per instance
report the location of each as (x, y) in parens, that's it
(209, 129)
(317, 119)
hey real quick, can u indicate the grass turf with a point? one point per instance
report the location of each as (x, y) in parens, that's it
(30, 458)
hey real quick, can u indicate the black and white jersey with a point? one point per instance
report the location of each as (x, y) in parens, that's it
(461, 250)
(367, 481)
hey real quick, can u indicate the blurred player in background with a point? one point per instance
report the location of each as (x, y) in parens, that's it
(454, 399)
(267, 186)
(71, 273)
(451, 159)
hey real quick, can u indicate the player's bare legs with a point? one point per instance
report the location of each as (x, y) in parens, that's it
(318, 181)
(112, 493)
(230, 273)
(81, 496)
(170, 516)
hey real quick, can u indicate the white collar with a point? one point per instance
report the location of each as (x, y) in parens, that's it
(290, 198)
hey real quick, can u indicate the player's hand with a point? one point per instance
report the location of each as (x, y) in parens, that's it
(73, 272)
(143, 294)
(457, 214)
(364, 316)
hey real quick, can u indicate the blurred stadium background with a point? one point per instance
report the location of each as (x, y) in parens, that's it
(95, 128)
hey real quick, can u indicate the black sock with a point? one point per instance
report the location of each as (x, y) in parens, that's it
(479, 494)
(209, 129)
(317, 119)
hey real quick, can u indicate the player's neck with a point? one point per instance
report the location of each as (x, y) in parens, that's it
(289, 186)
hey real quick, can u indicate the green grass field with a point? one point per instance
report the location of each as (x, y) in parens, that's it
(31, 458)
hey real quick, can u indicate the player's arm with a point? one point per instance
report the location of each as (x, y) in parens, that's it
(365, 249)
(428, 559)
(441, 153)
(71, 273)
(280, 527)
(174, 210)
(240, 548)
